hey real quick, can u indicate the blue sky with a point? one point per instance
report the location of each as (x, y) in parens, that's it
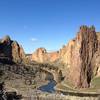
(46, 23)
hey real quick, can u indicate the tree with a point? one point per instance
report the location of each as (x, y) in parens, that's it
(92, 28)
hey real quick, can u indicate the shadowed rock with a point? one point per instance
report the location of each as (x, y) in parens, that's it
(11, 50)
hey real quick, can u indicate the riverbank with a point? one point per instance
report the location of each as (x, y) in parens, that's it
(48, 96)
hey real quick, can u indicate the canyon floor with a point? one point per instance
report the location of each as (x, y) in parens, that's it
(41, 88)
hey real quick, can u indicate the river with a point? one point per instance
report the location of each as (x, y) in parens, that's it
(48, 87)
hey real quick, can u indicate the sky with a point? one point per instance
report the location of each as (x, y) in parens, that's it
(46, 23)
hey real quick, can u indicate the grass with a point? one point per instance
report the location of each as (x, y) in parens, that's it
(95, 83)
(68, 86)
(63, 88)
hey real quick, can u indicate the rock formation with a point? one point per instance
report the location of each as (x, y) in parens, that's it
(96, 59)
(5, 47)
(78, 55)
(53, 56)
(39, 55)
(42, 56)
(11, 50)
(17, 52)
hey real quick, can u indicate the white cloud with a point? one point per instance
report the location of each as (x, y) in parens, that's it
(34, 39)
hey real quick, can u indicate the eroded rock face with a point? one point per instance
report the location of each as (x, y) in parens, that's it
(42, 56)
(5, 47)
(39, 55)
(96, 59)
(53, 56)
(11, 50)
(78, 55)
(17, 52)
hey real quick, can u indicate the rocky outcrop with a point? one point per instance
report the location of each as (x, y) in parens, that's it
(78, 55)
(96, 59)
(17, 52)
(53, 56)
(41, 55)
(11, 50)
(5, 47)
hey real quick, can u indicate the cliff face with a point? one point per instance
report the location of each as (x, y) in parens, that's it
(39, 55)
(18, 54)
(96, 59)
(53, 56)
(78, 55)
(11, 50)
(42, 56)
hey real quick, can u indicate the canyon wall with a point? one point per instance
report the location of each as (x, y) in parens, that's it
(96, 59)
(78, 56)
